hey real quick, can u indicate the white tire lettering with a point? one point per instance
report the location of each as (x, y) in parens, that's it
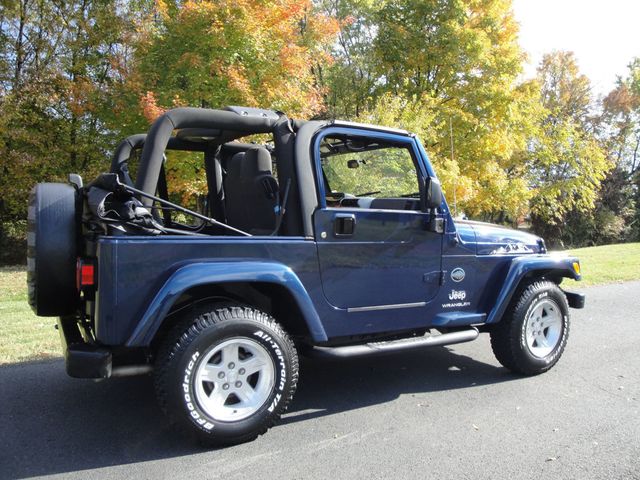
(193, 412)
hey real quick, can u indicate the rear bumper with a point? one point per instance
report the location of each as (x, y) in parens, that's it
(82, 360)
(575, 300)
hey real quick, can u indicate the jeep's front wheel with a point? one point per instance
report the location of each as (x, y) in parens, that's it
(226, 374)
(533, 332)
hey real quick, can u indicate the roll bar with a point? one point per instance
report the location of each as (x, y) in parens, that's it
(235, 121)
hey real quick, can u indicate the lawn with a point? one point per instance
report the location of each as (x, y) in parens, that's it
(609, 263)
(23, 336)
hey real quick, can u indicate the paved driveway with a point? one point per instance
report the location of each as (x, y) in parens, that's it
(440, 413)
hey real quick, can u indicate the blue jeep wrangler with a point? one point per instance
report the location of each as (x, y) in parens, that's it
(328, 238)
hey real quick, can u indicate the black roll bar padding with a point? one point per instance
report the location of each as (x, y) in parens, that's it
(123, 152)
(129, 144)
(284, 140)
(188, 117)
(163, 192)
(213, 170)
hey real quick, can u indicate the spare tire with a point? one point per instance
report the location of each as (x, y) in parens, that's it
(51, 249)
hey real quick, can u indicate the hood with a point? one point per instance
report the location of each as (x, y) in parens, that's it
(497, 240)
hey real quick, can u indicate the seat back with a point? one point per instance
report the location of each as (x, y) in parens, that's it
(251, 192)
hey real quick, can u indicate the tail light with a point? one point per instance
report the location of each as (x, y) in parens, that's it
(85, 274)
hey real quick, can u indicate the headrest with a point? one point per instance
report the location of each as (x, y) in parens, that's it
(234, 166)
(256, 161)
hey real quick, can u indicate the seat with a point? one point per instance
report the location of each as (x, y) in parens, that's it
(251, 192)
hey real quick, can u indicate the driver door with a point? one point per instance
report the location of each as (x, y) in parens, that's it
(374, 247)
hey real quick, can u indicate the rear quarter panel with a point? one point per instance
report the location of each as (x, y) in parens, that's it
(133, 269)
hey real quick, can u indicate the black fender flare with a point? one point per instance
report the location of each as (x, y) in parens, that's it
(523, 266)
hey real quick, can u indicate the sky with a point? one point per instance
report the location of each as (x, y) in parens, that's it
(604, 35)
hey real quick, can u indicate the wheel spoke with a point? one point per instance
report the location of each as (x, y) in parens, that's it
(218, 397)
(541, 341)
(245, 393)
(253, 365)
(549, 320)
(230, 354)
(209, 373)
(538, 312)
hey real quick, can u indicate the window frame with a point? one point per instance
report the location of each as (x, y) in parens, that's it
(408, 142)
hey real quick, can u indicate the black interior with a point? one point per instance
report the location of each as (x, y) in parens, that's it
(242, 189)
(252, 192)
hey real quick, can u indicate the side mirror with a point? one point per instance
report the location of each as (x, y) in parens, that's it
(431, 200)
(432, 193)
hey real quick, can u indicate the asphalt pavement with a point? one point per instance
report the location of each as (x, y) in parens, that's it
(441, 413)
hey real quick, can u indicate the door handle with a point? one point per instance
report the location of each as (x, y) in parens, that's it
(344, 225)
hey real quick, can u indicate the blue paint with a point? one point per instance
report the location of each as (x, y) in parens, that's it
(239, 270)
(391, 265)
(518, 268)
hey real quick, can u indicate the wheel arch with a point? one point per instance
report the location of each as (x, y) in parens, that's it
(523, 269)
(269, 286)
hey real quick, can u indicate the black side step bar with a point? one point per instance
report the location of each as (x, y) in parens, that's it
(395, 345)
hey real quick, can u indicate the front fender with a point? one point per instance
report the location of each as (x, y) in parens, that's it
(204, 273)
(520, 267)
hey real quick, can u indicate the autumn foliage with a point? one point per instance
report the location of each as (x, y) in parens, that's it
(242, 52)
(78, 76)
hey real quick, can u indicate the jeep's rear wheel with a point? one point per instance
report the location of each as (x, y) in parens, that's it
(226, 373)
(533, 332)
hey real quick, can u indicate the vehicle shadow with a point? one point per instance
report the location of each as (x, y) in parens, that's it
(328, 387)
(54, 424)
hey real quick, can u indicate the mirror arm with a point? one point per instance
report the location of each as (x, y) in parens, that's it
(436, 224)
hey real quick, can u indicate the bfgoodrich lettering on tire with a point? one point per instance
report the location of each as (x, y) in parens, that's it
(226, 373)
(533, 333)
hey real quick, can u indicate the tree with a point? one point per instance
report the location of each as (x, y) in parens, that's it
(211, 54)
(56, 67)
(241, 52)
(350, 80)
(619, 128)
(566, 163)
(455, 63)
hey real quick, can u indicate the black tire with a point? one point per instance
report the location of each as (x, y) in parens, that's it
(185, 353)
(509, 338)
(51, 249)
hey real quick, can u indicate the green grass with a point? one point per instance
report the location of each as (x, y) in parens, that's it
(609, 263)
(23, 336)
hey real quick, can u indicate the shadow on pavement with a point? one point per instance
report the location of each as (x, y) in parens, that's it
(51, 423)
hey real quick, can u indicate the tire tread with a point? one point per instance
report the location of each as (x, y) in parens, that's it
(505, 338)
(185, 331)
